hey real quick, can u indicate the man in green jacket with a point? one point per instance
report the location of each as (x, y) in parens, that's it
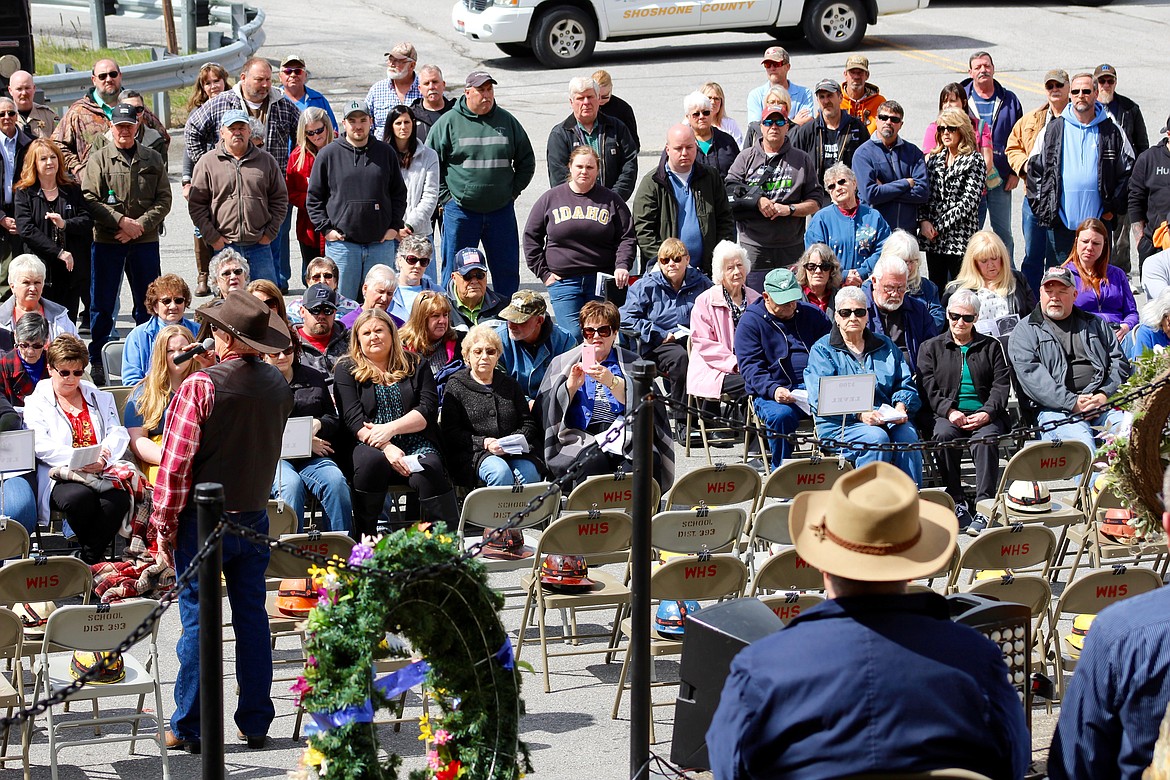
(485, 162)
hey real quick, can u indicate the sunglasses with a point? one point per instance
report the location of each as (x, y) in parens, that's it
(847, 313)
(1080, 92)
(781, 122)
(169, 301)
(948, 129)
(1051, 85)
(271, 303)
(315, 133)
(897, 120)
(321, 311)
(704, 112)
(605, 331)
(285, 352)
(112, 74)
(673, 260)
(79, 372)
(327, 275)
(835, 184)
(231, 272)
(955, 317)
(1106, 81)
(474, 276)
(7, 113)
(292, 71)
(422, 261)
(817, 267)
(31, 345)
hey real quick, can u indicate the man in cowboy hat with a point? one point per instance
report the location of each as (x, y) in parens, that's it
(875, 680)
(225, 425)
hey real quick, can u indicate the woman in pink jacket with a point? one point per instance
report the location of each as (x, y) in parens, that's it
(713, 369)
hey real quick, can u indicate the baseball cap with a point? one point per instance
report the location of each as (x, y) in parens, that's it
(355, 107)
(525, 305)
(319, 295)
(404, 50)
(1058, 75)
(288, 58)
(775, 108)
(477, 78)
(469, 259)
(857, 61)
(1058, 273)
(1104, 69)
(781, 286)
(775, 54)
(1166, 127)
(126, 114)
(231, 117)
(826, 85)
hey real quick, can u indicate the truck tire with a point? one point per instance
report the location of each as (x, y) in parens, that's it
(835, 25)
(515, 49)
(564, 37)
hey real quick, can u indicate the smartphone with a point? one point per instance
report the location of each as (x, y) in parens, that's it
(588, 356)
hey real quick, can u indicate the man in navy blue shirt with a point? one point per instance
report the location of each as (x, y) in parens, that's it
(1111, 712)
(875, 680)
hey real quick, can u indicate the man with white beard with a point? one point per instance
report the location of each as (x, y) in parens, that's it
(399, 88)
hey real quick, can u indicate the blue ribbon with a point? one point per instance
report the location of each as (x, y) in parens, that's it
(325, 721)
(398, 682)
(504, 656)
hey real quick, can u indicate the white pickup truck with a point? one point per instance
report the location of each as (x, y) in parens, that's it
(562, 33)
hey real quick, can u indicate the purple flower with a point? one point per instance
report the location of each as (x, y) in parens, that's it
(360, 554)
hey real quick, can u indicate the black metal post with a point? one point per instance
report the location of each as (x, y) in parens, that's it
(209, 503)
(639, 649)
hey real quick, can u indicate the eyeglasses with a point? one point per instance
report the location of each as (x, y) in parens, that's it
(1080, 92)
(326, 275)
(422, 261)
(285, 352)
(697, 114)
(292, 71)
(207, 65)
(894, 290)
(847, 313)
(948, 129)
(113, 74)
(169, 301)
(31, 345)
(673, 260)
(605, 331)
(955, 317)
(835, 184)
(315, 133)
(897, 120)
(7, 113)
(321, 311)
(76, 372)
(774, 122)
(225, 273)
(1105, 80)
(817, 267)
(474, 276)
(774, 64)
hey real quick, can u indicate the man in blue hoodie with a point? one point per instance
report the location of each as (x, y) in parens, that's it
(999, 107)
(772, 342)
(1079, 167)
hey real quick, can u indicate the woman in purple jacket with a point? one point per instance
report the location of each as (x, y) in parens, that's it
(1102, 289)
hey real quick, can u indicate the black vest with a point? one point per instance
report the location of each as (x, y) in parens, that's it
(240, 446)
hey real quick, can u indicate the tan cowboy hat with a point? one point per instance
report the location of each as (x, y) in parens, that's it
(248, 319)
(871, 527)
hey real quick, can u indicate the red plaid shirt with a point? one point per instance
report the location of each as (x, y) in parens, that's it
(188, 411)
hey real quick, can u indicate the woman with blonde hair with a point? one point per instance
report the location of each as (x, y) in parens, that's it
(388, 400)
(957, 174)
(776, 96)
(314, 131)
(613, 106)
(719, 117)
(212, 80)
(146, 411)
(987, 271)
(428, 333)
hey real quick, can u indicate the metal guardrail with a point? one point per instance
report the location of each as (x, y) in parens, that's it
(140, 9)
(170, 72)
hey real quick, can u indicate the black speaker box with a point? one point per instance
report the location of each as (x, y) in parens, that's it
(713, 637)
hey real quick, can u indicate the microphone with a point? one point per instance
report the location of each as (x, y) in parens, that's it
(195, 349)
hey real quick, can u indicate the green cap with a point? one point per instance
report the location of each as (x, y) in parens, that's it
(781, 286)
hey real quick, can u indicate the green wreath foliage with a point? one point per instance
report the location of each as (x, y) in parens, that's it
(445, 608)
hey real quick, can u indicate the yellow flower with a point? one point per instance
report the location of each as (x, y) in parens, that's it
(424, 728)
(445, 539)
(313, 756)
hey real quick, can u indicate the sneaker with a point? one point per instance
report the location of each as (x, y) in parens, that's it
(964, 516)
(977, 525)
(722, 438)
(756, 463)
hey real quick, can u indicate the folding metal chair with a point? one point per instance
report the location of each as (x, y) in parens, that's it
(720, 485)
(796, 475)
(1008, 549)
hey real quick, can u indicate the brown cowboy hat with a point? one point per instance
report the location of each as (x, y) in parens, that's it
(872, 527)
(246, 318)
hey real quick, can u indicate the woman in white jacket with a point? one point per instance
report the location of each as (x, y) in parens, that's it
(26, 278)
(420, 172)
(67, 413)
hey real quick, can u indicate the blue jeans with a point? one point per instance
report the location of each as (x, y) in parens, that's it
(261, 260)
(321, 477)
(20, 500)
(501, 243)
(282, 249)
(108, 263)
(999, 209)
(1039, 252)
(1117, 420)
(354, 260)
(568, 296)
(244, 564)
(910, 461)
(781, 418)
(505, 470)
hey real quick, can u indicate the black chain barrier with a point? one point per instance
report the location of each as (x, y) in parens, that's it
(144, 628)
(1027, 431)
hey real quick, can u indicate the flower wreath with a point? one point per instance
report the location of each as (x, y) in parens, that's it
(421, 589)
